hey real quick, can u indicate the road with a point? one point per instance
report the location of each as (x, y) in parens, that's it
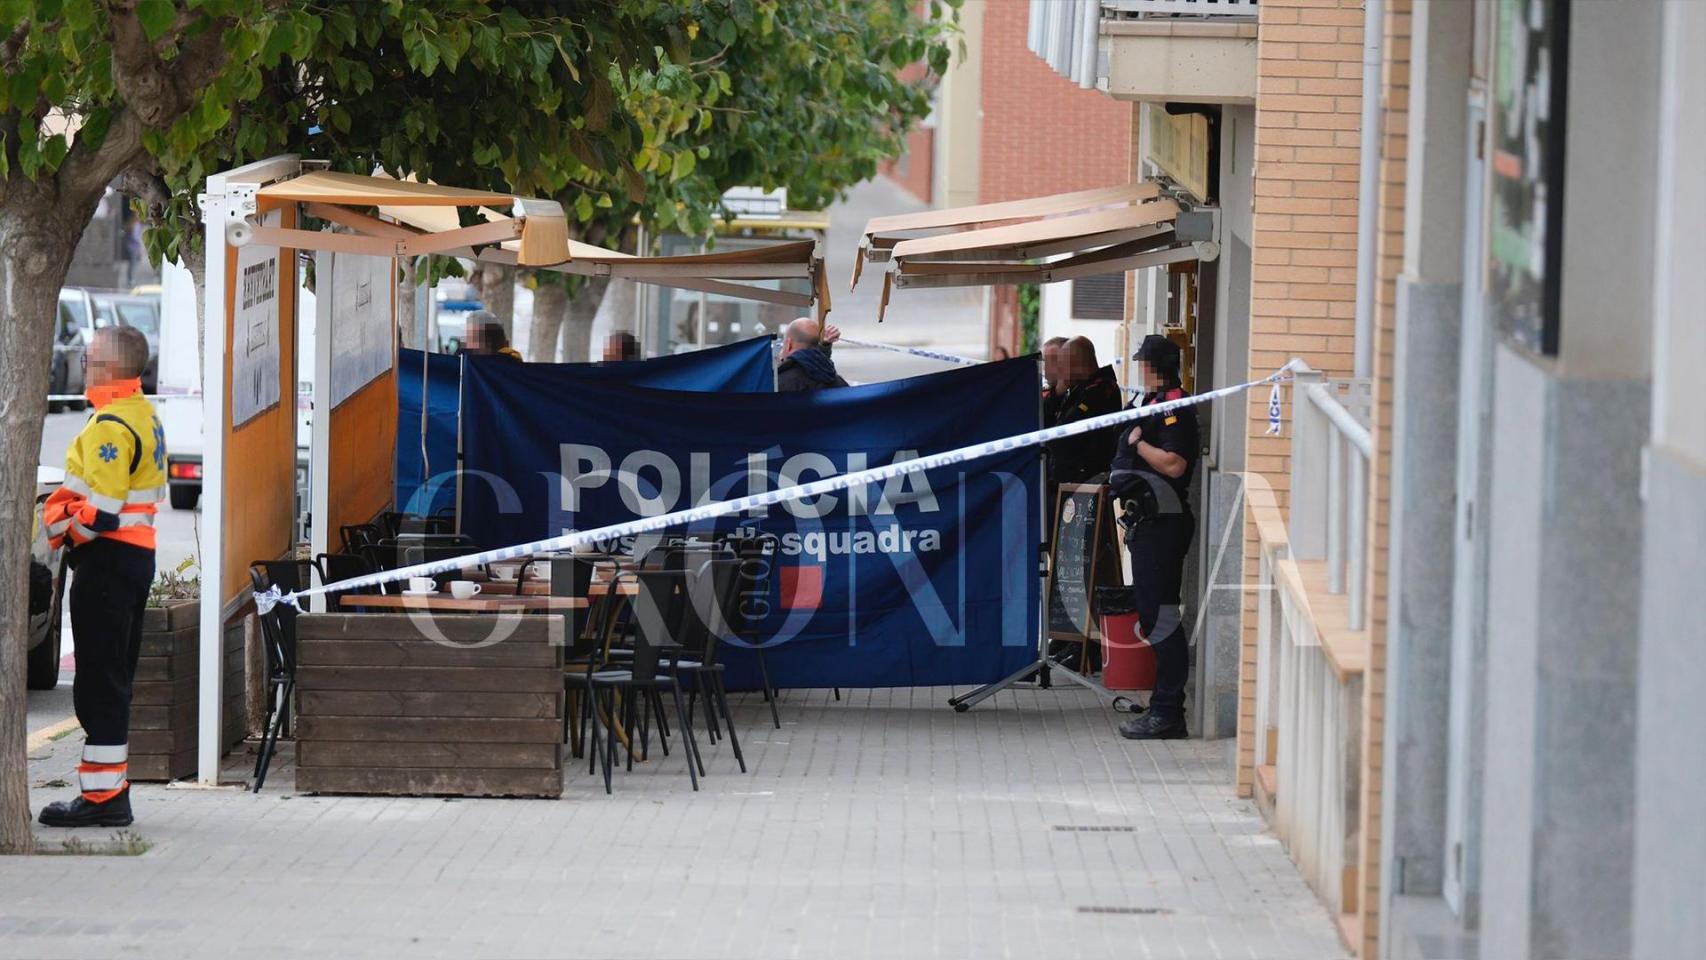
(177, 541)
(944, 319)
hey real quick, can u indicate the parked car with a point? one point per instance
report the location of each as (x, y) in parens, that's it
(181, 419)
(47, 593)
(71, 331)
(132, 310)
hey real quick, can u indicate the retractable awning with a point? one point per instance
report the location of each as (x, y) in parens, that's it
(1037, 240)
(708, 272)
(387, 217)
(538, 229)
(882, 233)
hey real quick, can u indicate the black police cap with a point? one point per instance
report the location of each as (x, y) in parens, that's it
(1158, 350)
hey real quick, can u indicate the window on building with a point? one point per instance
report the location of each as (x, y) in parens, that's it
(1099, 298)
(1527, 184)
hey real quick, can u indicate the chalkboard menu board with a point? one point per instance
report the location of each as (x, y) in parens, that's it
(1081, 535)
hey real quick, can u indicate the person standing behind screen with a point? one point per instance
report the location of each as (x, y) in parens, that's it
(621, 346)
(1054, 369)
(486, 336)
(1151, 475)
(115, 474)
(806, 364)
(1085, 391)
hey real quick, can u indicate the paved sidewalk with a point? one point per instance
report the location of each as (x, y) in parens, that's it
(884, 825)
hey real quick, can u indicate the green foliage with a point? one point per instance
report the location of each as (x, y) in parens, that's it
(170, 586)
(624, 110)
(1030, 312)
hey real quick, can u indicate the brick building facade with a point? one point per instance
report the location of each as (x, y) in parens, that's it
(1303, 275)
(1036, 133)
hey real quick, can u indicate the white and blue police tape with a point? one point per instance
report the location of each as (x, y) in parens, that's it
(913, 351)
(76, 397)
(944, 357)
(265, 600)
(1274, 412)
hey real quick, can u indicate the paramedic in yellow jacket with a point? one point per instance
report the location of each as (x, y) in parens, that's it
(115, 474)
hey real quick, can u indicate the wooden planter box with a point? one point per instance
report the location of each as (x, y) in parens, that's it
(384, 709)
(164, 717)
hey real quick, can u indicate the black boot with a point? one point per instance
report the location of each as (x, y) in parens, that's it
(85, 813)
(1153, 727)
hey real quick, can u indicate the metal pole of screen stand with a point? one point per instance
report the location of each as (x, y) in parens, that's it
(1044, 665)
(461, 378)
(428, 341)
(1041, 669)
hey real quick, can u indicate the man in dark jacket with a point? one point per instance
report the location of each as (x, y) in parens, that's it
(1084, 391)
(806, 364)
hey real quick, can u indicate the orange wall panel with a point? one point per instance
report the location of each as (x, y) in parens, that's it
(363, 455)
(260, 456)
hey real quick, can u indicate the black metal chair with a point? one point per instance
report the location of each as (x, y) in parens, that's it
(355, 536)
(660, 599)
(336, 567)
(410, 553)
(572, 577)
(390, 523)
(758, 557)
(409, 549)
(430, 526)
(278, 633)
(379, 557)
(713, 589)
(394, 524)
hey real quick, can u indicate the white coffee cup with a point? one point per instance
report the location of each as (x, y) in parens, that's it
(422, 585)
(504, 574)
(463, 589)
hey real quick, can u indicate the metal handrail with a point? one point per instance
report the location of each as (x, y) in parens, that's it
(1329, 515)
(1328, 402)
(1205, 9)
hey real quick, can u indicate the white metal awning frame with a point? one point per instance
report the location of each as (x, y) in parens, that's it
(1037, 240)
(712, 272)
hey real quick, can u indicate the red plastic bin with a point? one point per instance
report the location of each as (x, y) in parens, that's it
(1128, 661)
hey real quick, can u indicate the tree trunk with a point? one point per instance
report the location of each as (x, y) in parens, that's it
(195, 261)
(619, 300)
(407, 321)
(577, 329)
(550, 304)
(36, 243)
(497, 293)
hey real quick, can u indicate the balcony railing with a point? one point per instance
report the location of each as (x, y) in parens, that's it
(1312, 645)
(1066, 32)
(1331, 450)
(1150, 9)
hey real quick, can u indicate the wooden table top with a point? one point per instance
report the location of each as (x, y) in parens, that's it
(445, 603)
(540, 588)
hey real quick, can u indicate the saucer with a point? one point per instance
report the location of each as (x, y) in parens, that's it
(419, 593)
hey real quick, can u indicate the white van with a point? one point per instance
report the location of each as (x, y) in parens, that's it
(180, 402)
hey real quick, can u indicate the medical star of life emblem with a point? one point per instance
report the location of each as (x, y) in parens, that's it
(108, 452)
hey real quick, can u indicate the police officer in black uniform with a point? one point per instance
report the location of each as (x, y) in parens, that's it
(1151, 476)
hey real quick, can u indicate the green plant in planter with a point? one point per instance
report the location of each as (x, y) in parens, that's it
(171, 586)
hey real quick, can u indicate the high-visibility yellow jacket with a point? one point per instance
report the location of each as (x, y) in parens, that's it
(115, 472)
